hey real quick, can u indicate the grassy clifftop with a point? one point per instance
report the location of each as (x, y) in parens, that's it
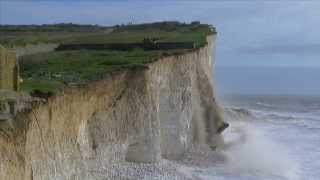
(51, 71)
(15, 35)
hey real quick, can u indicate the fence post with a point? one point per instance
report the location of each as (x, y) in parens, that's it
(9, 70)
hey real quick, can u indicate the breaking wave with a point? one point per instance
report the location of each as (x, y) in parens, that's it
(250, 151)
(231, 113)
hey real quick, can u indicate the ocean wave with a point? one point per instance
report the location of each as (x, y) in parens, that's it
(265, 104)
(275, 115)
(307, 120)
(236, 113)
(285, 115)
(249, 149)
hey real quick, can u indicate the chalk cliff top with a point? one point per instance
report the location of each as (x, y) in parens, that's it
(53, 70)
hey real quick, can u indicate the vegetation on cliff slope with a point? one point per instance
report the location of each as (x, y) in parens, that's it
(53, 70)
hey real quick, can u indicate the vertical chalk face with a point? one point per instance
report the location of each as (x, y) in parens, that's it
(8, 70)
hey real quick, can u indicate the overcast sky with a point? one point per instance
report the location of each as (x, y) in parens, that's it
(250, 33)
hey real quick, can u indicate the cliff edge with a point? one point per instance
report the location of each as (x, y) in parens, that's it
(139, 115)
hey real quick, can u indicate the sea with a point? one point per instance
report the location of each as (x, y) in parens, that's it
(274, 117)
(271, 137)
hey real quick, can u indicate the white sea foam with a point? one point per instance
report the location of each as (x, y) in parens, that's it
(250, 151)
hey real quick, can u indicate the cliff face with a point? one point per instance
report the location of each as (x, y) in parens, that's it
(140, 115)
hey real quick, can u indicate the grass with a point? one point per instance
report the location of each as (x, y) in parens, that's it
(197, 35)
(13, 39)
(20, 35)
(77, 67)
(125, 34)
(49, 72)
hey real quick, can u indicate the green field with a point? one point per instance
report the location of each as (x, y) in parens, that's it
(166, 32)
(132, 35)
(49, 72)
(20, 35)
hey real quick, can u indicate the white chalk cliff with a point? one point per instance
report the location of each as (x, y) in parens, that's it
(141, 115)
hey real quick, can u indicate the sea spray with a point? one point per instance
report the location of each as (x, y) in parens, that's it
(248, 150)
